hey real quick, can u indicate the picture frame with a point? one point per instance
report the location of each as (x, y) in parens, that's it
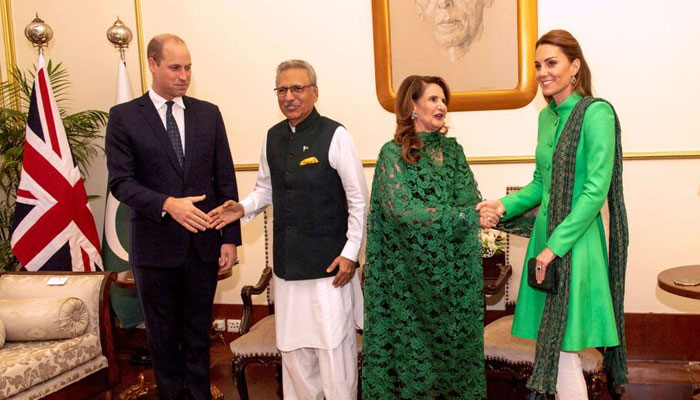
(517, 85)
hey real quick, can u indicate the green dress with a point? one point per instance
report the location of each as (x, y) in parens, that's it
(590, 321)
(423, 334)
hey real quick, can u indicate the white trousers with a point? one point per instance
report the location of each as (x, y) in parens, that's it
(571, 384)
(312, 373)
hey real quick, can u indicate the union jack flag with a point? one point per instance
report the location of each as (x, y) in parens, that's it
(54, 227)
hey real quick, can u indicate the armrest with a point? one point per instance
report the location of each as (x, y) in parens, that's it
(493, 287)
(107, 329)
(246, 295)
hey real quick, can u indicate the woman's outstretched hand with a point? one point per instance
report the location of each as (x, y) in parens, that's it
(490, 212)
(226, 213)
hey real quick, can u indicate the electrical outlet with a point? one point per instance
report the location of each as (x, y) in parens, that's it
(233, 325)
(219, 325)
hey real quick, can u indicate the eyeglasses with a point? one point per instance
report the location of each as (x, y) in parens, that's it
(296, 89)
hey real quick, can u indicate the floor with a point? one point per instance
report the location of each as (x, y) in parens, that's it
(648, 380)
(262, 382)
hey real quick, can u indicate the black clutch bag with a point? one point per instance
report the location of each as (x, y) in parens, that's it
(551, 277)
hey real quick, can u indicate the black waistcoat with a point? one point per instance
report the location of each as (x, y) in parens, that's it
(309, 202)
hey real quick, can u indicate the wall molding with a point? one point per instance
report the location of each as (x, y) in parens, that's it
(629, 156)
(525, 159)
(139, 39)
(8, 35)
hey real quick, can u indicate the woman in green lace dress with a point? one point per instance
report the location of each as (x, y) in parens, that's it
(423, 333)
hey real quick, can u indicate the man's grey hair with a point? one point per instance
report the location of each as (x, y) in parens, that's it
(290, 64)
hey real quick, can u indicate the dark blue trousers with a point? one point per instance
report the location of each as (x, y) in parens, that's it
(177, 305)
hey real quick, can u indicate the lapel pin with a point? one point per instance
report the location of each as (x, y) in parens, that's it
(305, 148)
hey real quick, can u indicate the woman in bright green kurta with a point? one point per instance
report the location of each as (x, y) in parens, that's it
(590, 322)
(590, 319)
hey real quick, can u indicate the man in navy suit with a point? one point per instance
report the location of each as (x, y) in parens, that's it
(169, 160)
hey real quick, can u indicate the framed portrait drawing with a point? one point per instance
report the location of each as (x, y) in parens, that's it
(484, 49)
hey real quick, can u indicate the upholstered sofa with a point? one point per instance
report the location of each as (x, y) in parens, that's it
(78, 366)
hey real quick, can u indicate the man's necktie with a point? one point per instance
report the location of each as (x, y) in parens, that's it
(174, 133)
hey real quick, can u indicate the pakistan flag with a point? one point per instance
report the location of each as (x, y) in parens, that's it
(115, 243)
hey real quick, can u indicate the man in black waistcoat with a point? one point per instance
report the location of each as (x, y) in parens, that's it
(311, 173)
(169, 161)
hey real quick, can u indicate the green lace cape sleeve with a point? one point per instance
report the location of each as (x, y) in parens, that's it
(423, 333)
(407, 199)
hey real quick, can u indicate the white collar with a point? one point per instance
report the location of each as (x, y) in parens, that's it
(158, 100)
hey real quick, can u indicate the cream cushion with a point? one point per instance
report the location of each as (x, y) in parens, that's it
(2, 334)
(500, 344)
(43, 318)
(43, 389)
(34, 369)
(258, 341)
(25, 364)
(86, 287)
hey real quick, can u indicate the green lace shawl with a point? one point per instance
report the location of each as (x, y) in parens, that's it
(423, 334)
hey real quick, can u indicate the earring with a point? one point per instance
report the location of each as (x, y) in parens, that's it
(574, 79)
(414, 115)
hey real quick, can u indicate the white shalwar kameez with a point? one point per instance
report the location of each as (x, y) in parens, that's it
(314, 321)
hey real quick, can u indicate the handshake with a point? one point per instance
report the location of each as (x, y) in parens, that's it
(193, 219)
(490, 212)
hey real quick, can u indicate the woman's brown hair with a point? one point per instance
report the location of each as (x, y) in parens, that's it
(410, 91)
(572, 50)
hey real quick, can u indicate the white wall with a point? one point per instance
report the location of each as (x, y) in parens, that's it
(640, 54)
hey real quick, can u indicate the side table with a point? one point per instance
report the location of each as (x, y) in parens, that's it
(667, 280)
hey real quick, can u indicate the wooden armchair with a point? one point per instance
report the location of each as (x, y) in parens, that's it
(509, 360)
(257, 343)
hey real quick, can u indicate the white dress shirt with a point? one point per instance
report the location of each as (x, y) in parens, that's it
(313, 313)
(178, 112)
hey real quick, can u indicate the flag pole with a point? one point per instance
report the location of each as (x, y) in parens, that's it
(115, 238)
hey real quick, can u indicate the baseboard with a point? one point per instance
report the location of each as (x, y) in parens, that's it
(650, 336)
(235, 311)
(128, 340)
(662, 337)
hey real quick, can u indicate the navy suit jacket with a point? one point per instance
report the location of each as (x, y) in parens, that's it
(144, 171)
